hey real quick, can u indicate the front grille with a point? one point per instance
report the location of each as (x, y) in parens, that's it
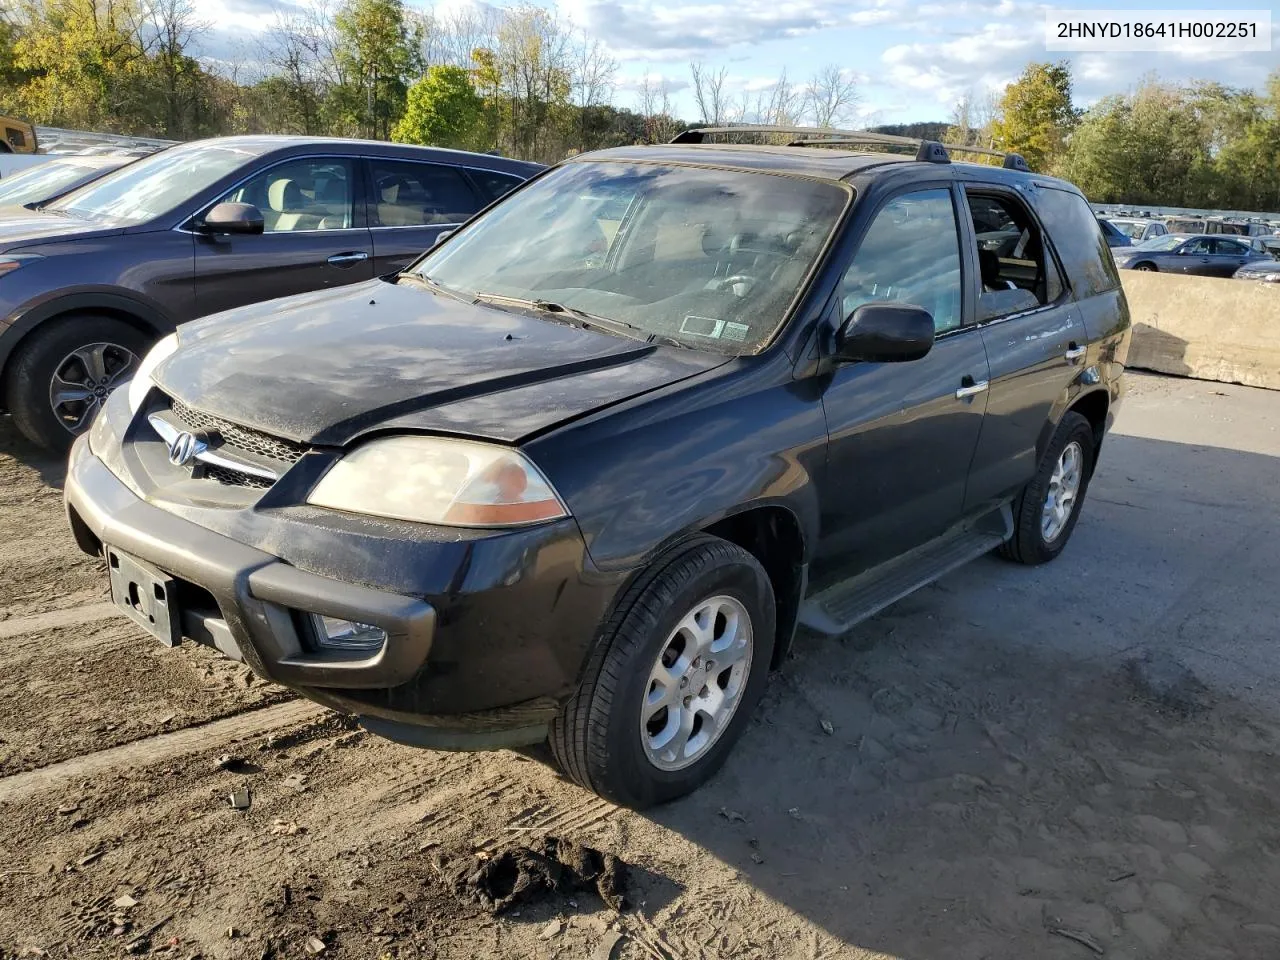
(234, 478)
(241, 438)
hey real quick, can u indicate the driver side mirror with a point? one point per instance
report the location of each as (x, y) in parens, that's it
(885, 333)
(442, 236)
(228, 217)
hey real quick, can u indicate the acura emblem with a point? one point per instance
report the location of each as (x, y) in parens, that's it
(184, 448)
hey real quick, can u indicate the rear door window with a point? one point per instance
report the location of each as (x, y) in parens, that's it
(493, 184)
(411, 194)
(1075, 235)
(1015, 270)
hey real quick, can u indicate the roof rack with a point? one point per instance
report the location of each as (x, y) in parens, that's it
(928, 151)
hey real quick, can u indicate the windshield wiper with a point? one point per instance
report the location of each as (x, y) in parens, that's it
(584, 320)
(433, 285)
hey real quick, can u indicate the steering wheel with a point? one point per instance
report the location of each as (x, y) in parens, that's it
(723, 283)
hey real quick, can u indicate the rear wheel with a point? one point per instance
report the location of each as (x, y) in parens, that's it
(1146, 267)
(1045, 514)
(679, 667)
(63, 372)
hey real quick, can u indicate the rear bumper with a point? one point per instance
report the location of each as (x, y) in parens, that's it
(467, 669)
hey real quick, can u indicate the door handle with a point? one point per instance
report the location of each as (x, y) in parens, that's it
(971, 389)
(346, 259)
(1075, 353)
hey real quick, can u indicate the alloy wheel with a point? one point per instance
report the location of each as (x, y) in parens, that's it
(83, 380)
(697, 683)
(1064, 489)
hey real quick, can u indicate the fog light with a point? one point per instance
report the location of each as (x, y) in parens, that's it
(347, 635)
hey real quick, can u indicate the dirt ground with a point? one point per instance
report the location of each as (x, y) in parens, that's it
(1067, 762)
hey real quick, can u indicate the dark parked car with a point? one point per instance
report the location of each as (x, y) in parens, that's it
(48, 181)
(1263, 271)
(90, 281)
(581, 471)
(1204, 255)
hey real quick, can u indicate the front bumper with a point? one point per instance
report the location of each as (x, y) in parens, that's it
(485, 635)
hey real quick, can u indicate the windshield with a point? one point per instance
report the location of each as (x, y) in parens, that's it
(1167, 242)
(42, 182)
(1130, 228)
(154, 185)
(710, 258)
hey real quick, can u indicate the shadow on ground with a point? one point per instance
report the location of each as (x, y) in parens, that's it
(998, 783)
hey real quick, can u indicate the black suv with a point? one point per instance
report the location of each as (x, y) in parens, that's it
(88, 282)
(581, 471)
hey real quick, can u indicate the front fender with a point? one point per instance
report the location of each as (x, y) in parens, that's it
(31, 315)
(640, 478)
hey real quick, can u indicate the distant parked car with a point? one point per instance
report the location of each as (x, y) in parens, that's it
(1138, 229)
(1204, 256)
(1263, 271)
(49, 181)
(90, 281)
(1115, 238)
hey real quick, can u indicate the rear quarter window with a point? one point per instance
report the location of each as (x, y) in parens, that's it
(1076, 235)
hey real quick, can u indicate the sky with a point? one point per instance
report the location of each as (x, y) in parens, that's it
(912, 59)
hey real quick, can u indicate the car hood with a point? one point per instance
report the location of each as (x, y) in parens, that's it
(20, 226)
(324, 368)
(1261, 266)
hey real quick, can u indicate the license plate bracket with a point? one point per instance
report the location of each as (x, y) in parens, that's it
(145, 595)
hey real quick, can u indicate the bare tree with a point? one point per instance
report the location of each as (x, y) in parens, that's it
(654, 103)
(709, 92)
(297, 49)
(454, 36)
(830, 96)
(166, 31)
(594, 72)
(783, 104)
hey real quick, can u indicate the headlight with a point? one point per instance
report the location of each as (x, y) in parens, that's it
(141, 382)
(10, 262)
(458, 483)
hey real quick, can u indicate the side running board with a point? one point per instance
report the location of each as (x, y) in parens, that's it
(838, 608)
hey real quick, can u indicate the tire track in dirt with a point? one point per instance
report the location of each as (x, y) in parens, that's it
(166, 746)
(69, 617)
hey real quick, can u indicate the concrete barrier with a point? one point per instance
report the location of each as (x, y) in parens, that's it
(1205, 327)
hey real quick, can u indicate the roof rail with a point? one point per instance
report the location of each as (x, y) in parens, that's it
(929, 151)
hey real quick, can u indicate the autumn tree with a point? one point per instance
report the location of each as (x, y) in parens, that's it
(376, 52)
(442, 109)
(1036, 114)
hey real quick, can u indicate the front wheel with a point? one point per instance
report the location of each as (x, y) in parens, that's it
(676, 673)
(64, 371)
(1045, 514)
(1146, 267)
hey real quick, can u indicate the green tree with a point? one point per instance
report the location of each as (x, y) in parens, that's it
(442, 109)
(86, 66)
(1036, 115)
(376, 51)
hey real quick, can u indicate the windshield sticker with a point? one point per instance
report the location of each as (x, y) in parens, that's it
(702, 326)
(735, 331)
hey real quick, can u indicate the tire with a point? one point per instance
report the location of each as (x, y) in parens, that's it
(599, 739)
(1029, 543)
(1147, 268)
(50, 348)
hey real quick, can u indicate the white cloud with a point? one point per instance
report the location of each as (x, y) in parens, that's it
(663, 30)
